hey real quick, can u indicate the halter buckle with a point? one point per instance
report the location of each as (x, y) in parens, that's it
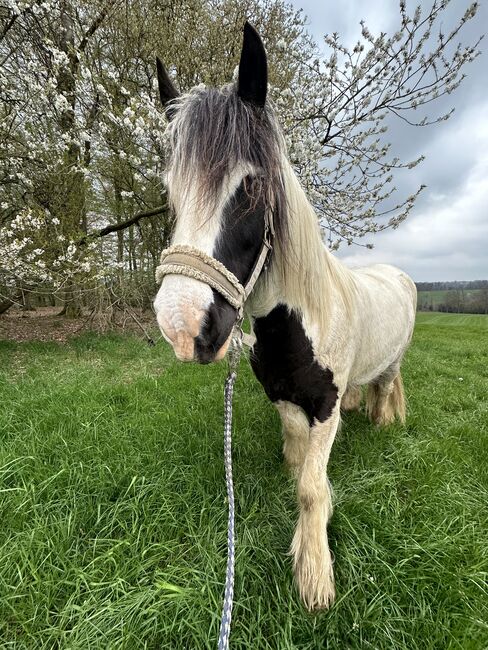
(236, 344)
(268, 242)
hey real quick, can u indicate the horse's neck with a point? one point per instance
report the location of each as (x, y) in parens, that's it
(304, 274)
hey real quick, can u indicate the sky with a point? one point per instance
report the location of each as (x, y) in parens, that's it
(446, 235)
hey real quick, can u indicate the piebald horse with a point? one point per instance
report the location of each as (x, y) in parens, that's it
(322, 330)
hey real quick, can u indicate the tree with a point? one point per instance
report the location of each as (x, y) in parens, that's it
(343, 107)
(47, 115)
(82, 206)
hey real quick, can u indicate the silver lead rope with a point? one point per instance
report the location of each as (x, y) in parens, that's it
(234, 356)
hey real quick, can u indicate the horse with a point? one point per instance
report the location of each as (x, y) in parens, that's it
(322, 330)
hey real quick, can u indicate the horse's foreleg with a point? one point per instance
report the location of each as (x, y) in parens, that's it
(296, 430)
(310, 548)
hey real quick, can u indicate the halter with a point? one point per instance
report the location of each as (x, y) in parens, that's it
(194, 263)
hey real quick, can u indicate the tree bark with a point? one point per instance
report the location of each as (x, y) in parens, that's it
(10, 302)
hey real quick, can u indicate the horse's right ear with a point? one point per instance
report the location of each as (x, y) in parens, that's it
(167, 90)
(252, 84)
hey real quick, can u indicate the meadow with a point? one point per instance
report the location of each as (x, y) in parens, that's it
(112, 502)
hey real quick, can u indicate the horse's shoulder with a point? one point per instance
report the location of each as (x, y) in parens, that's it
(284, 362)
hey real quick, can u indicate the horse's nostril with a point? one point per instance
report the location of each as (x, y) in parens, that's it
(212, 340)
(204, 351)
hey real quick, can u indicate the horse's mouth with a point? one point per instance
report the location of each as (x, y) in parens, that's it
(207, 353)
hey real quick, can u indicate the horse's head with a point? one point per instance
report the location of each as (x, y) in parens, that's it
(223, 175)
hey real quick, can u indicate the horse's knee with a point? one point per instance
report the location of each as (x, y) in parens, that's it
(313, 489)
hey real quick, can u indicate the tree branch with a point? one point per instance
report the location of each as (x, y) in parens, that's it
(96, 24)
(120, 226)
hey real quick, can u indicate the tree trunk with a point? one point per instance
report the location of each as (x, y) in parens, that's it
(72, 304)
(70, 204)
(119, 217)
(9, 302)
(6, 304)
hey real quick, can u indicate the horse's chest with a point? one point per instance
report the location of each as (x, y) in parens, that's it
(283, 362)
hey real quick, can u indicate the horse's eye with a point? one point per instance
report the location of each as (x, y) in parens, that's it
(249, 184)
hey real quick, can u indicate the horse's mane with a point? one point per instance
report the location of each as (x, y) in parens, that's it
(211, 132)
(313, 279)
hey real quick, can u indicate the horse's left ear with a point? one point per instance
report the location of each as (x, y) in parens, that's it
(167, 90)
(252, 84)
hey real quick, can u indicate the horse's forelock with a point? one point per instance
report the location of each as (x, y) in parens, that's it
(212, 132)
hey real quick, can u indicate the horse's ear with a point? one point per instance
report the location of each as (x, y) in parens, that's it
(167, 90)
(252, 84)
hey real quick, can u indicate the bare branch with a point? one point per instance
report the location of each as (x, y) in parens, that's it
(121, 226)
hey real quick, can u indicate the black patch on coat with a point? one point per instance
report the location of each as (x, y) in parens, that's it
(237, 248)
(283, 362)
(242, 232)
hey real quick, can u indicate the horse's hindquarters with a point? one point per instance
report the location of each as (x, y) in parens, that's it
(385, 317)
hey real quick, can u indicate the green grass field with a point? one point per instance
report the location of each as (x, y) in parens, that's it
(463, 322)
(112, 501)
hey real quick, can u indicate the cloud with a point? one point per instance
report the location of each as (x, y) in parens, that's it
(448, 238)
(446, 235)
(344, 17)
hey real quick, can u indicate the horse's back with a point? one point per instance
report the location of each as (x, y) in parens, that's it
(387, 278)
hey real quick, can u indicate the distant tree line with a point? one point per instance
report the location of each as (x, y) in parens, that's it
(456, 284)
(454, 297)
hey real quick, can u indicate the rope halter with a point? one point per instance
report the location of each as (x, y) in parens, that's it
(194, 263)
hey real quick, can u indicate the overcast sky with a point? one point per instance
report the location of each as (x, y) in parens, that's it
(446, 235)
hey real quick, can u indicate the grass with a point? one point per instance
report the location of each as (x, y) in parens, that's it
(112, 502)
(471, 323)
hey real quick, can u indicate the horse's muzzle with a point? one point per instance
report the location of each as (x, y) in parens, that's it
(206, 352)
(194, 338)
(195, 319)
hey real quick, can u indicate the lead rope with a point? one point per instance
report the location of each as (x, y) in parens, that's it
(234, 356)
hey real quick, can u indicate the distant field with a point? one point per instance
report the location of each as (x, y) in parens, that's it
(113, 508)
(439, 297)
(472, 321)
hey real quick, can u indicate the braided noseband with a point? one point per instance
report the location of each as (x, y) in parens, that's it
(194, 263)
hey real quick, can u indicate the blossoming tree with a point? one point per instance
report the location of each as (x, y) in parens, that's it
(82, 207)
